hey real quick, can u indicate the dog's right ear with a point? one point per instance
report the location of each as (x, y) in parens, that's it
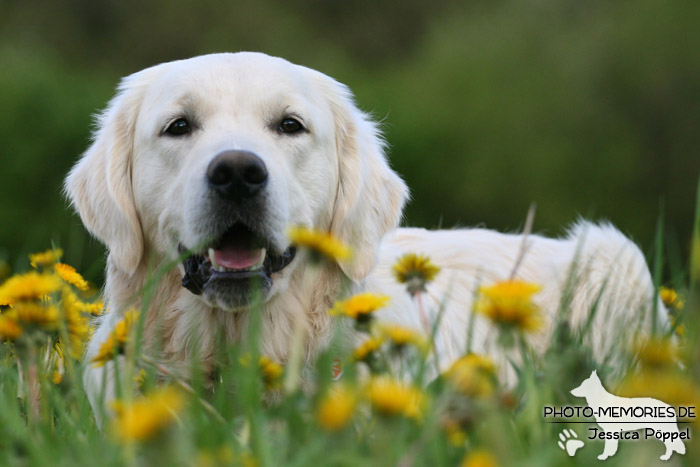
(99, 185)
(370, 196)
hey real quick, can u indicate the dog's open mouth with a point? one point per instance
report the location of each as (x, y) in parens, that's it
(235, 260)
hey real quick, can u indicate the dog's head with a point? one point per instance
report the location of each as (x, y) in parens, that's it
(218, 155)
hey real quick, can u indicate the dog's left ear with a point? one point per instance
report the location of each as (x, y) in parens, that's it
(99, 185)
(370, 195)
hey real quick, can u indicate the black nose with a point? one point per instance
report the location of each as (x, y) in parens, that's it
(237, 175)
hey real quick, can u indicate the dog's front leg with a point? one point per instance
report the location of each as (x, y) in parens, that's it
(100, 385)
(99, 380)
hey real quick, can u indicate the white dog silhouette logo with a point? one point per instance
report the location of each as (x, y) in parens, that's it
(619, 415)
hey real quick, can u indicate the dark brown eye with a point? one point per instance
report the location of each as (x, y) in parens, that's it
(290, 126)
(179, 127)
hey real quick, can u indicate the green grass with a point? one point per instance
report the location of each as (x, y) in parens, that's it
(241, 418)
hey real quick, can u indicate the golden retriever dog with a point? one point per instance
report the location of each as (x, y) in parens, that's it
(220, 154)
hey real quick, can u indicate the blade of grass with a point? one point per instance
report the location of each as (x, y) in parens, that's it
(527, 230)
(472, 314)
(658, 267)
(695, 246)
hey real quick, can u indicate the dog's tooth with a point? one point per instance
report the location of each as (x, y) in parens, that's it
(212, 258)
(260, 262)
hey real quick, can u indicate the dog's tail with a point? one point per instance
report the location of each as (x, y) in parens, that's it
(610, 277)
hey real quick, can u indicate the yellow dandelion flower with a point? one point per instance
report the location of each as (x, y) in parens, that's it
(655, 352)
(77, 323)
(473, 375)
(509, 304)
(9, 329)
(456, 436)
(679, 329)
(77, 344)
(214, 458)
(360, 307)
(366, 350)
(671, 298)
(95, 309)
(140, 378)
(271, 371)
(247, 459)
(45, 258)
(43, 315)
(107, 350)
(668, 295)
(29, 286)
(479, 458)
(391, 397)
(675, 305)
(58, 363)
(320, 244)
(116, 341)
(401, 336)
(70, 275)
(415, 271)
(337, 408)
(224, 456)
(148, 415)
(70, 301)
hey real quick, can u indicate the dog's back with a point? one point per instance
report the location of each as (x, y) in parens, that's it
(595, 265)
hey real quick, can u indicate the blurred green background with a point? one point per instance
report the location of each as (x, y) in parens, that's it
(588, 108)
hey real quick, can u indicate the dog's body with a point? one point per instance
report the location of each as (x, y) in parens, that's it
(599, 399)
(219, 154)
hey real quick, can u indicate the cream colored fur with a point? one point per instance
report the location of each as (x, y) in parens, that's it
(141, 194)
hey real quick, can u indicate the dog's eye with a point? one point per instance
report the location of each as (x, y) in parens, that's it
(179, 127)
(290, 126)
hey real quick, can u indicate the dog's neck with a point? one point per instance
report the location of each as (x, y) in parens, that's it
(182, 326)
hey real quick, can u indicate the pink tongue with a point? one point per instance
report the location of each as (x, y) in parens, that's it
(237, 258)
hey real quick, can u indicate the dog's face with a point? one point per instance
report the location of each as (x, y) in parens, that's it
(223, 169)
(218, 156)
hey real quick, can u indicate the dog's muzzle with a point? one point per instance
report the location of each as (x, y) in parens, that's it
(232, 266)
(241, 258)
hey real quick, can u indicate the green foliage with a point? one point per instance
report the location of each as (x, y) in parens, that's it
(248, 414)
(585, 108)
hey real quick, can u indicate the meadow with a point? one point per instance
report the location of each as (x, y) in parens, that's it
(586, 108)
(369, 405)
